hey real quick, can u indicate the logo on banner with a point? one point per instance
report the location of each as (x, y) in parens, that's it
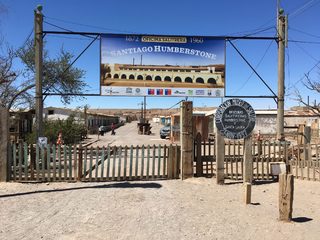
(129, 90)
(200, 92)
(168, 92)
(138, 90)
(159, 91)
(177, 92)
(150, 91)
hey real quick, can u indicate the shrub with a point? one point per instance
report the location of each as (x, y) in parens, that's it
(72, 131)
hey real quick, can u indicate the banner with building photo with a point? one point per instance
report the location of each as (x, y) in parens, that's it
(145, 65)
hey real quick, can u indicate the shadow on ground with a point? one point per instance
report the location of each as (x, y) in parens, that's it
(301, 219)
(114, 185)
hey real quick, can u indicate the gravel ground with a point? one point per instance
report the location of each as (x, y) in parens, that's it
(192, 209)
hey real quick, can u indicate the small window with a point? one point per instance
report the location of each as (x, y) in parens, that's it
(50, 112)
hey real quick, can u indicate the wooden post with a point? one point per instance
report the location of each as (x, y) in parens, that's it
(186, 140)
(247, 192)
(247, 160)
(220, 148)
(171, 153)
(32, 161)
(80, 159)
(247, 168)
(4, 116)
(306, 141)
(286, 190)
(300, 139)
(199, 165)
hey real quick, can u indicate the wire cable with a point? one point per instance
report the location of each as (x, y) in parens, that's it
(91, 26)
(303, 8)
(300, 41)
(306, 52)
(252, 73)
(67, 30)
(28, 38)
(303, 32)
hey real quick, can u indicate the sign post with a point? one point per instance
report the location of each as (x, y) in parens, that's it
(235, 119)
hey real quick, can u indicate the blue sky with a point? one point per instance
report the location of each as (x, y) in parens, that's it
(185, 17)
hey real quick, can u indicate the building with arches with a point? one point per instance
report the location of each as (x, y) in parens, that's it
(211, 75)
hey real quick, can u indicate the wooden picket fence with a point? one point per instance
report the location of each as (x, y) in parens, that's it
(263, 152)
(76, 163)
(124, 163)
(305, 162)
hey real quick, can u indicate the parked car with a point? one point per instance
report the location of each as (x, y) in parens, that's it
(102, 130)
(165, 132)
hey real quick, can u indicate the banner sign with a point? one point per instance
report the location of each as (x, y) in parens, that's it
(235, 119)
(145, 65)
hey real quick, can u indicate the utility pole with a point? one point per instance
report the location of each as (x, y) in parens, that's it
(281, 27)
(38, 26)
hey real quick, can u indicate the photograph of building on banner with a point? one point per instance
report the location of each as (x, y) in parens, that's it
(144, 65)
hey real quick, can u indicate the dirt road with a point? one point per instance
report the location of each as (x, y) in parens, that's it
(128, 135)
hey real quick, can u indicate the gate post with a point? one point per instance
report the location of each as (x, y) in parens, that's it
(4, 117)
(286, 189)
(199, 165)
(247, 168)
(220, 148)
(80, 159)
(247, 160)
(186, 139)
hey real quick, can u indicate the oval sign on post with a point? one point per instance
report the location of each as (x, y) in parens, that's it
(235, 119)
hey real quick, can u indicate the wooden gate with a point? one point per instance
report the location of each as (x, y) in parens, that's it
(76, 163)
(263, 152)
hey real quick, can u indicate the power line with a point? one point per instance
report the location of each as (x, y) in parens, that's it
(71, 38)
(306, 52)
(303, 32)
(67, 30)
(28, 38)
(175, 104)
(300, 41)
(311, 69)
(303, 8)
(260, 31)
(252, 32)
(265, 53)
(91, 26)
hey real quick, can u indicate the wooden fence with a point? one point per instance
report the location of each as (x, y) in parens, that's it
(123, 163)
(76, 163)
(304, 160)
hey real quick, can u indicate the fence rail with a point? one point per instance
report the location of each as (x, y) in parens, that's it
(263, 153)
(146, 162)
(76, 163)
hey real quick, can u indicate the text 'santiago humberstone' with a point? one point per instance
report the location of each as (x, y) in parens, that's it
(235, 119)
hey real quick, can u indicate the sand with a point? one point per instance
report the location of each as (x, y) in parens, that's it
(196, 208)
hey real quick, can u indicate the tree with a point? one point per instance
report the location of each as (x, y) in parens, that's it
(312, 85)
(17, 86)
(73, 131)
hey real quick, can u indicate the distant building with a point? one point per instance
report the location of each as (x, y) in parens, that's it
(93, 120)
(266, 120)
(20, 124)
